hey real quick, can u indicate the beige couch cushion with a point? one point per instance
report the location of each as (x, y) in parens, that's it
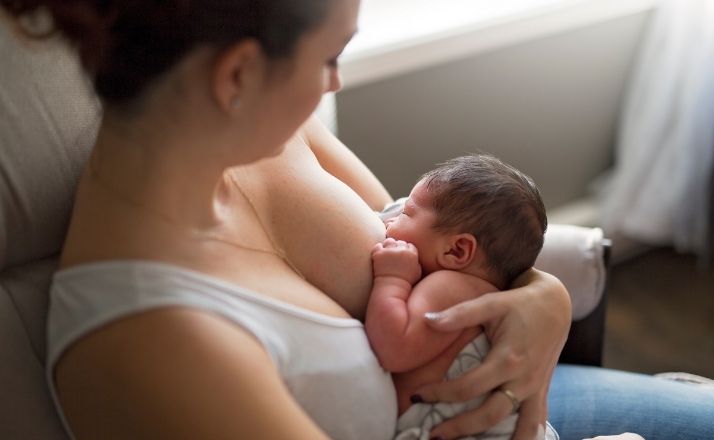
(26, 410)
(48, 121)
(575, 254)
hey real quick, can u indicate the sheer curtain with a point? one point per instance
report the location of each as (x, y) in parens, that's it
(660, 191)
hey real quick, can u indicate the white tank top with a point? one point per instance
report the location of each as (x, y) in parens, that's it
(326, 362)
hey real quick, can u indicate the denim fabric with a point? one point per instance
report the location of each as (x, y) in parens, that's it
(587, 401)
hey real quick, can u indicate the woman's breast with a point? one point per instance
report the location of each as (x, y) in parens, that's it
(324, 228)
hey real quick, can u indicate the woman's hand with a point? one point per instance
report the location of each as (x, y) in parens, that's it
(527, 328)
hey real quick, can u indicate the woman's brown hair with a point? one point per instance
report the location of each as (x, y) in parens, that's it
(126, 44)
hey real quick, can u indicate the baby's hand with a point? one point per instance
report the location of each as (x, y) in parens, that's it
(396, 258)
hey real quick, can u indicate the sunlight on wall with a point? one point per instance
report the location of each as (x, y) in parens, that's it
(385, 22)
(400, 36)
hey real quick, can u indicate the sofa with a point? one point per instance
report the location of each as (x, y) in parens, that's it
(48, 124)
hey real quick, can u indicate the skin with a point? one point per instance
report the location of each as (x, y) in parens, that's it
(510, 322)
(454, 271)
(135, 201)
(404, 344)
(461, 252)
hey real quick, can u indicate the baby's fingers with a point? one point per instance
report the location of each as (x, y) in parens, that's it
(392, 243)
(388, 242)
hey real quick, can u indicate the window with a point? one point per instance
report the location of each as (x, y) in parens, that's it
(399, 36)
(391, 22)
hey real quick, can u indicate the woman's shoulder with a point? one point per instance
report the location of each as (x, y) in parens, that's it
(165, 362)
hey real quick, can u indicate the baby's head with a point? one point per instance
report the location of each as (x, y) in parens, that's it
(474, 210)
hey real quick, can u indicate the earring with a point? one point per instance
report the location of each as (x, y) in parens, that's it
(235, 102)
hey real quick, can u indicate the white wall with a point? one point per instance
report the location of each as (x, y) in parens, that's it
(548, 106)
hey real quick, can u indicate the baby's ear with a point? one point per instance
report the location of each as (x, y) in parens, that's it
(459, 252)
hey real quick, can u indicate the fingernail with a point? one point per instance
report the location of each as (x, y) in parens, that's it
(416, 398)
(433, 316)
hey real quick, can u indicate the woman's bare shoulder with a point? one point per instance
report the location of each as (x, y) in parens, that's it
(176, 373)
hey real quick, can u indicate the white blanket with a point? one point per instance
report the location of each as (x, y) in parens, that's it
(416, 423)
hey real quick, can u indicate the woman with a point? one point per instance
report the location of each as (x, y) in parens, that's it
(155, 327)
(200, 297)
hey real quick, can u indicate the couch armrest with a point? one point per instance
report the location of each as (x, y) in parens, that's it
(586, 338)
(579, 257)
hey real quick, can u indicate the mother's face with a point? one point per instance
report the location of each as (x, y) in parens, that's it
(294, 87)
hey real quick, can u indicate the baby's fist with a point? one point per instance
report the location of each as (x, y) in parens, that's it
(396, 258)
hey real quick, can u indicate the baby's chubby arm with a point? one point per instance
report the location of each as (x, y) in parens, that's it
(395, 322)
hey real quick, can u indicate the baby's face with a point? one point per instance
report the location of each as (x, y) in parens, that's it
(415, 225)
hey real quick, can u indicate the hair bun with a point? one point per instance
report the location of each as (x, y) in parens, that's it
(125, 44)
(18, 7)
(85, 24)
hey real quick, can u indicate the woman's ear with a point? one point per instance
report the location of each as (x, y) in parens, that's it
(460, 251)
(236, 69)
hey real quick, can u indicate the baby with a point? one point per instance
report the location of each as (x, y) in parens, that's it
(469, 227)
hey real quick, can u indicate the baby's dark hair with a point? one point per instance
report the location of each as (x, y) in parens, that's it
(125, 44)
(494, 202)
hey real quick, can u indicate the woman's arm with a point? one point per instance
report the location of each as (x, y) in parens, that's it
(527, 327)
(177, 373)
(342, 163)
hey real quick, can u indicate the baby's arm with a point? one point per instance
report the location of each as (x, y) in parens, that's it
(395, 321)
(396, 269)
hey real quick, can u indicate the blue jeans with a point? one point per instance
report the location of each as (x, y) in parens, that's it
(585, 402)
